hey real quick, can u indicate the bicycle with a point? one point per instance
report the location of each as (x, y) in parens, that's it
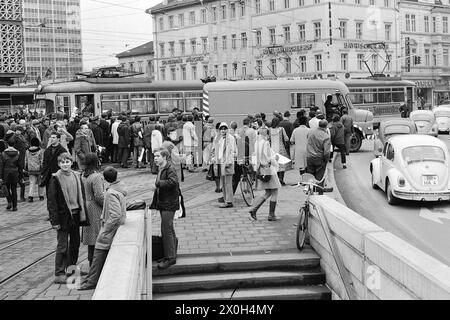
(310, 184)
(246, 185)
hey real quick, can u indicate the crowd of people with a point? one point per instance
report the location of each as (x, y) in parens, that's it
(61, 157)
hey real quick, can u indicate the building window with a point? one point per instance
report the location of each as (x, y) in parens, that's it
(434, 58)
(302, 63)
(205, 70)
(301, 32)
(244, 39)
(359, 27)
(427, 57)
(434, 24)
(258, 38)
(183, 72)
(244, 70)
(215, 41)
(287, 65)
(173, 74)
(183, 47)
(386, 3)
(181, 20)
(272, 36)
(445, 24)
(413, 22)
(203, 15)
(161, 49)
(223, 12)
(407, 22)
(426, 22)
(387, 31)
(193, 46)
(225, 70)
(360, 61)
(257, 6)
(192, 18)
(242, 9)
(194, 72)
(214, 14)
(287, 34)
(233, 10)
(317, 30)
(259, 67)
(374, 62)
(224, 42)
(344, 61)
(286, 4)
(233, 41)
(445, 57)
(205, 45)
(301, 3)
(234, 70)
(170, 22)
(172, 48)
(216, 70)
(388, 62)
(357, 1)
(273, 66)
(271, 5)
(161, 24)
(343, 29)
(316, 1)
(371, 2)
(163, 74)
(318, 58)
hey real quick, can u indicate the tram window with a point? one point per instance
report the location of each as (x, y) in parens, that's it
(114, 103)
(170, 101)
(370, 96)
(144, 103)
(193, 100)
(398, 95)
(384, 95)
(356, 96)
(64, 102)
(303, 100)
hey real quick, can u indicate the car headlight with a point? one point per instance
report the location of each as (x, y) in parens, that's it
(401, 182)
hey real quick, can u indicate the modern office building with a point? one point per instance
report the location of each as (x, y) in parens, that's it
(139, 59)
(52, 38)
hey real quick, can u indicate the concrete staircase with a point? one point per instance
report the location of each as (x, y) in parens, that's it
(273, 275)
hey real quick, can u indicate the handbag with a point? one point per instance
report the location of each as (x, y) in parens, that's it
(210, 175)
(136, 205)
(263, 177)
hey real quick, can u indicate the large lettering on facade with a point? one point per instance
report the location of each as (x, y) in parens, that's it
(277, 50)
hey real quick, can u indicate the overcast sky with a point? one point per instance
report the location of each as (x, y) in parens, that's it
(113, 26)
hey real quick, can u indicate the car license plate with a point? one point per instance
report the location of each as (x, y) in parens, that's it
(430, 180)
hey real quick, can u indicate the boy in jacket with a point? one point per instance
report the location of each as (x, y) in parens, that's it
(10, 171)
(113, 216)
(337, 132)
(33, 165)
(67, 212)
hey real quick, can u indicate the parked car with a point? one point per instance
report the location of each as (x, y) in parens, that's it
(442, 115)
(425, 122)
(391, 127)
(414, 167)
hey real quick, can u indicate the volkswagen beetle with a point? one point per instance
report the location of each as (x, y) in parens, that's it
(392, 127)
(442, 114)
(425, 122)
(413, 167)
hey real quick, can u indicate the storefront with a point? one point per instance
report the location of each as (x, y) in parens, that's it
(424, 89)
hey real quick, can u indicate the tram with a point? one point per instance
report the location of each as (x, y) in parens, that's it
(17, 99)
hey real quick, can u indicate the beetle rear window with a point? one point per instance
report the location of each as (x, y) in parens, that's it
(397, 129)
(423, 153)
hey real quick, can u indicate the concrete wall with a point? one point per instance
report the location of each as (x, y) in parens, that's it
(379, 264)
(124, 274)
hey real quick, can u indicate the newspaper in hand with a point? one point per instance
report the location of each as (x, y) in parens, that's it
(282, 160)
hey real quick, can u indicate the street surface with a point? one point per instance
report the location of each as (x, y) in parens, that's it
(424, 225)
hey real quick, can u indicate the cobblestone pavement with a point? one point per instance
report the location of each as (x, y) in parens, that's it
(207, 229)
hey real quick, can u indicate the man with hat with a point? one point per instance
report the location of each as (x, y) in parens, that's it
(224, 153)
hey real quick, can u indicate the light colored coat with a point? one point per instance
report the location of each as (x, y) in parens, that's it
(266, 164)
(94, 197)
(190, 138)
(227, 159)
(113, 216)
(114, 132)
(300, 140)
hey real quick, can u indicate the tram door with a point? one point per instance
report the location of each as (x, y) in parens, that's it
(85, 103)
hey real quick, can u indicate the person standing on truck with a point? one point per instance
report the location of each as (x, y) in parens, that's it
(330, 108)
(347, 121)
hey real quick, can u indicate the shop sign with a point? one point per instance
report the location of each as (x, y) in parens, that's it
(424, 83)
(359, 45)
(298, 48)
(171, 61)
(194, 60)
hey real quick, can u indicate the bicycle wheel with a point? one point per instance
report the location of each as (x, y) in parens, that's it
(247, 191)
(302, 229)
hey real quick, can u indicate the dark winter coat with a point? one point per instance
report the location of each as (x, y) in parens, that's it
(337, 131)
(10, 165)
(124, 135)
(167, 193)
(98, 133)
(148, 129)
(106, 131)
(21, 145)
(84, 144)
(50, 163)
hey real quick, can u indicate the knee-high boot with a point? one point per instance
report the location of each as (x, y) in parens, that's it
(281, 177)
(272, 217)
(258, 203)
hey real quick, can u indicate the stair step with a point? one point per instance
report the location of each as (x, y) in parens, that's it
(246, 279)
(263, 293)
(306, 259)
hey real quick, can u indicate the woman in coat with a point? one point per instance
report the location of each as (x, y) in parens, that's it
(278, 138)
(300, 140)
(84, 144)
(266, 164)
(166, 201)
(93, 189)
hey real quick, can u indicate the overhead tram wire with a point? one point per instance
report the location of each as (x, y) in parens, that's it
(106, 7)
(116, 5)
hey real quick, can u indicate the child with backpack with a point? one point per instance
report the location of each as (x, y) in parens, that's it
(34, 157)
